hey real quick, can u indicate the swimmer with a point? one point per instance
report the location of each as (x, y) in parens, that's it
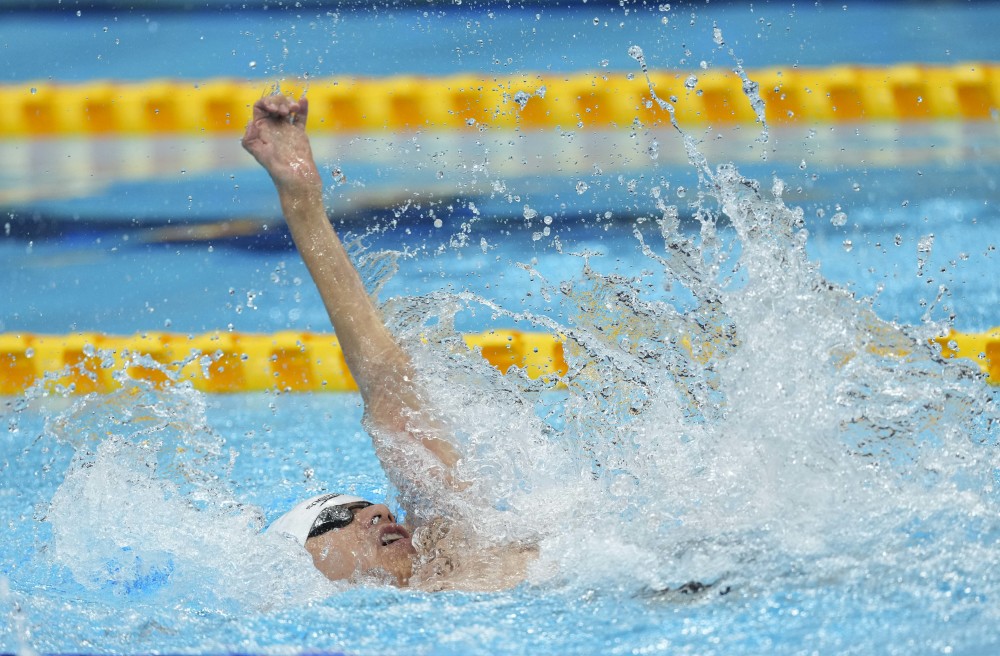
(349, 537)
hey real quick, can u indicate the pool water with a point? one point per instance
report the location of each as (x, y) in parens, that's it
(753, 405)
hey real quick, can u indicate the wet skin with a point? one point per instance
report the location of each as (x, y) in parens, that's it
(372, 545)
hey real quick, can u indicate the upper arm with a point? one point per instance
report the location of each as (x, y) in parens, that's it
(395, 407)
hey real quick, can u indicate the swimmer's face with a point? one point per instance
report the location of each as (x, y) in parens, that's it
(371, 545)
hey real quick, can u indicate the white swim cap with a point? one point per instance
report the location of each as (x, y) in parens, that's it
(298, 521)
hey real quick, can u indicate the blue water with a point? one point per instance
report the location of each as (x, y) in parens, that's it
(823, 547)
(500, 39)
(855, 611)
(52, 285)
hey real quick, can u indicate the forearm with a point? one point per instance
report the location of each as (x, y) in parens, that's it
(369, 349)
(276, 138)
(381, 368)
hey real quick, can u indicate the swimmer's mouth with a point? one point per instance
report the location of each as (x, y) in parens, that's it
(392, 533)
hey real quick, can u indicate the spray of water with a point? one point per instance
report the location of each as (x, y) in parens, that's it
(142, 511)
(776, 424)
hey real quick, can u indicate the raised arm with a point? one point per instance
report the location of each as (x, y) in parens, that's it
(276, 137)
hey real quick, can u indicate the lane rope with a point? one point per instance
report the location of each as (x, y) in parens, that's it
(290, 361)
(968, 91)
(228, 362)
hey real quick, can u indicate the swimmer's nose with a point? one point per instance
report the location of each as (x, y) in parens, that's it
(376, 514)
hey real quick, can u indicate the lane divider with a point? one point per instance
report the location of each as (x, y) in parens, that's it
(982, 348)
(290, 361)
(228, 362)
(967, 91)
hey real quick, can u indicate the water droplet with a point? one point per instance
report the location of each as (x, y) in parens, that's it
(582, 187)
(898, 240)
(529, 213)
(470, 121)
(839, 219)
(703, 64)
(717, 36)
(521, 98)
(438, 223)
(855, 186)
(681, 192)
(802, 165)
(920, 99)
(29, 352)
(848, 245)
(926, 243)
(440, 175)
(253, 64)
(79, 13)
(635, 52)
(665, 7)
(905, 203)
(691, 82)
(604, 63)
(34, 90)
(597, 21)
(654, 149)
(547, 220)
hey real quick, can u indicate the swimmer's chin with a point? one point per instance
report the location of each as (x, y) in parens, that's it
(377, 578)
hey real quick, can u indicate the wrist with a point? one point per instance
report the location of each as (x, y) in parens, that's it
(299, 198)
(302, 184)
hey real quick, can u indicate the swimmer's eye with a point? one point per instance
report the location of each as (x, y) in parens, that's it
(334, 517)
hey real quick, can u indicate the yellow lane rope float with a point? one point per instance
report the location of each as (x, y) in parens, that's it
(289, 361)
(228, 362)
(592, 100)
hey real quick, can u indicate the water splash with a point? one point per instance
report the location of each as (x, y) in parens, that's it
(141, 511)
(761, 425)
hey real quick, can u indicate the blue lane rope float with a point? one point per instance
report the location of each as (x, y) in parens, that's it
(968, 91)
(290, 361)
